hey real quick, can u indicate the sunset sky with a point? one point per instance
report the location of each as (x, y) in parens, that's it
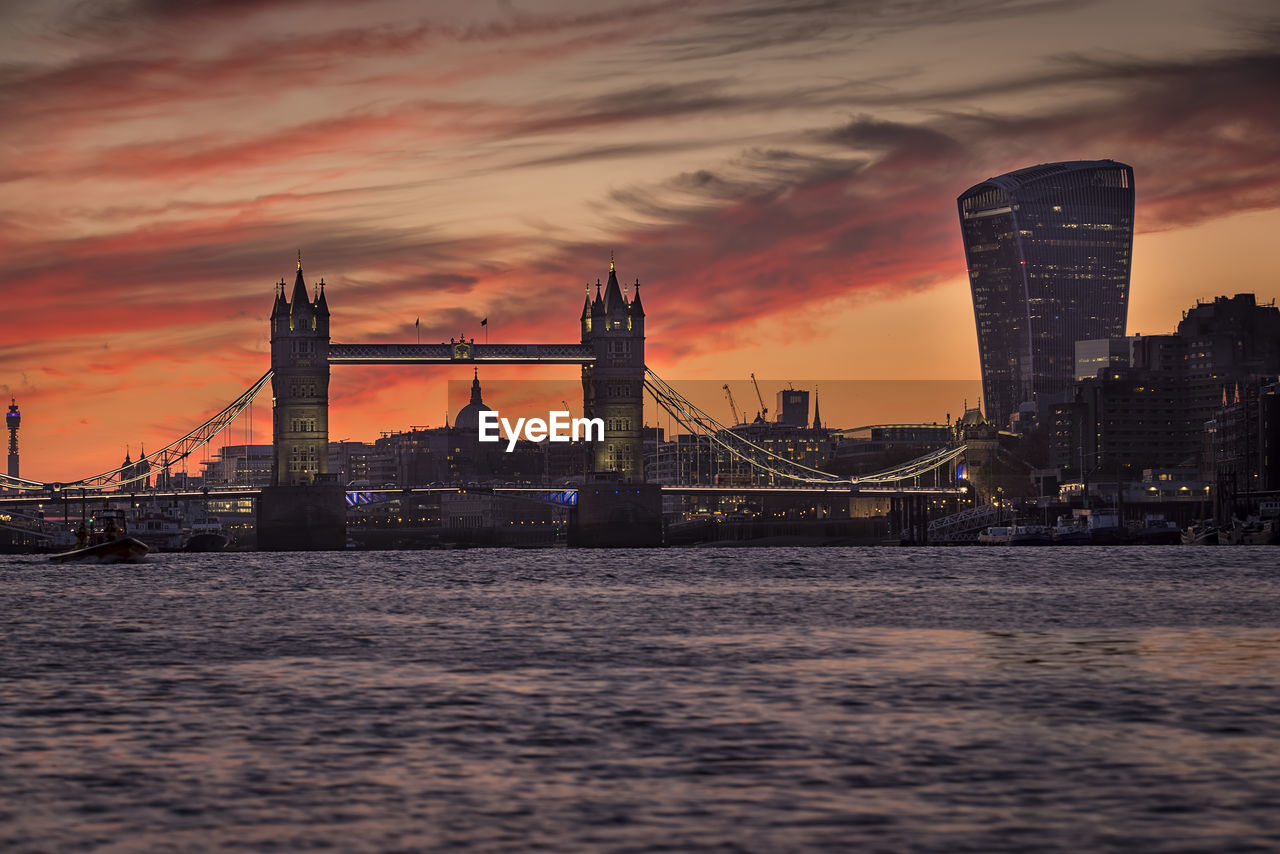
(781, 177)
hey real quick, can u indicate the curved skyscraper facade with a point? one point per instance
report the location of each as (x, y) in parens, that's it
(1048, 251)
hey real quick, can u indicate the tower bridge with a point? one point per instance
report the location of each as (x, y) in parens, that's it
(610, 352)
(304, 505)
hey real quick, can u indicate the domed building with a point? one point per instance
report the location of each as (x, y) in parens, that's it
(470, 459)
(468, 418)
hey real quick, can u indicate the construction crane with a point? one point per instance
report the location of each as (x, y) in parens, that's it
(764, 410)
(732, 407)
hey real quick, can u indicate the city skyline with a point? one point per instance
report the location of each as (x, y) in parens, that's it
(781, 181)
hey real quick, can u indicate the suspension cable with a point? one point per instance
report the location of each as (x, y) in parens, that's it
(698, 422)
(157, 461)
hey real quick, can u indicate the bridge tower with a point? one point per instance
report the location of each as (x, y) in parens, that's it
(303, 508)
(618, 510)
(613, 387)
(300, 385)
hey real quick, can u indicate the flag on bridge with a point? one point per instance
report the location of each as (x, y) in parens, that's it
(417, 320)
(484, 322)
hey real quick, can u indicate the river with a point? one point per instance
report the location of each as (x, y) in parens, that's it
(758, 700)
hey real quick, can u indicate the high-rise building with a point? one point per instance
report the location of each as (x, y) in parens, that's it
(1155, 412)
(1093, 356)
(793, 407)
(1048, 253)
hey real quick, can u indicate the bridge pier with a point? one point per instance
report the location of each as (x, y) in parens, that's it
(302, 518)
(616, 516)
(909, 519)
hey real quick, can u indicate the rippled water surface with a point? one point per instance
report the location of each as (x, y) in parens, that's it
(761, 700)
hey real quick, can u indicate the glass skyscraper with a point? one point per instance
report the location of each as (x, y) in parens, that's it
(1048, 251)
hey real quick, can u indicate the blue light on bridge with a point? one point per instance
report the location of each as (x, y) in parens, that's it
(558, 497)
(356, 499)
(564, 497)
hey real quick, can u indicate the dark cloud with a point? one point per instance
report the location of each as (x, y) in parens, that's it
(211, 276)
(778, 231)
(621, 151)
(1069, 75)
(704, 98)
(117, 18)
(755, 27)
(866, 132)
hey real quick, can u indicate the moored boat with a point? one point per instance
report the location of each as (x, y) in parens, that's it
(995, 535)
(1071, 533)
(1105, 528)
(206, 536)
(1248, 532)
(161, 531)
(208, 541)
(1031, 535)
(1157, 531)
(1200, 534)
(1016, 535)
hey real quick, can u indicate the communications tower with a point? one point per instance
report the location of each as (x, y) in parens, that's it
(12, 420)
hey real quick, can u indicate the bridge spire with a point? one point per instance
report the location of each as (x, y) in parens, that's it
(322, 305)
(299, 289)
(636, 309)
(279, 307)
(614, 303)
(300, 302)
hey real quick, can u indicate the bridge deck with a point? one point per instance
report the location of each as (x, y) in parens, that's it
(845, 488)
(253, 492)
(460, 352)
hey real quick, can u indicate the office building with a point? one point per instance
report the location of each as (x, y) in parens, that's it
(793, 407)
(1154, 414)
(1092, 356)
(1048, 253)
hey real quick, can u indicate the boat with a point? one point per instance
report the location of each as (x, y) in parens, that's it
(1105, 528)
(1016, 535)
(209, 541)
(1031, 535)
(1157, 531)
(995, 535)
(1071, 533)
(120, 550)
(161, 531)
(1249, 532)
(1200, 534)
(206, 536)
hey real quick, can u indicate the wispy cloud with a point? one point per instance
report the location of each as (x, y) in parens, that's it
(747, 161)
